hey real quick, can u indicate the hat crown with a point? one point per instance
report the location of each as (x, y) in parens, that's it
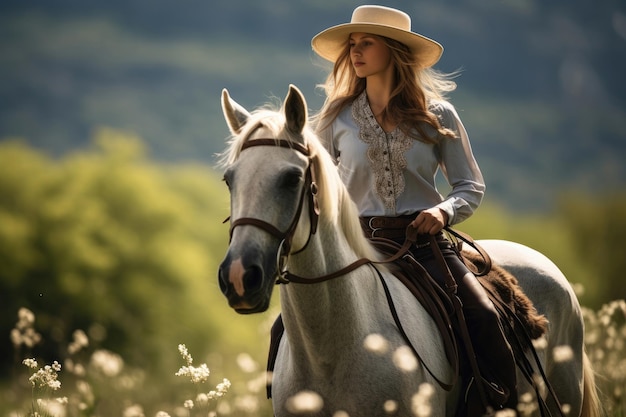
(380, 15)
(382, 21)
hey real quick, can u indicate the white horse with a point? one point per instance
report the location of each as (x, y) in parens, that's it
(342, 353)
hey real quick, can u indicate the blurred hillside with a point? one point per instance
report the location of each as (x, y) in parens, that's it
(541, 93)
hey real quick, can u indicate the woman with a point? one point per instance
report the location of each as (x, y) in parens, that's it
(388, 126)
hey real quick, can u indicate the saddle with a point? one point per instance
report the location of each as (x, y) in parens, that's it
(504, 289)
(513, 305)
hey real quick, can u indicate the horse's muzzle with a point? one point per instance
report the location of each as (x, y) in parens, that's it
(242, 281)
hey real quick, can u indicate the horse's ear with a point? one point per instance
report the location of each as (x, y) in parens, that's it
(295, 110)
(236, 116)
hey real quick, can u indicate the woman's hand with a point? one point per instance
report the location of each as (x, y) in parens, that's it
(430, 221)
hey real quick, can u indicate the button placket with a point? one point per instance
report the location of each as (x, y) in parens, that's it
(383, 147)
(387, 156)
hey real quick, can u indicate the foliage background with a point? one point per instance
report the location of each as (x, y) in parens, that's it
(541, 89)
(111, 208)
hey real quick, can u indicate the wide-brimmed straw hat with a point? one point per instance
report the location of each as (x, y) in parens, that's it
(377, 20)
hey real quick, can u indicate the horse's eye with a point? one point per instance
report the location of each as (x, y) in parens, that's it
(292, 179)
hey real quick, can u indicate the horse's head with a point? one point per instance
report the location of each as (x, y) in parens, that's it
(272, 193)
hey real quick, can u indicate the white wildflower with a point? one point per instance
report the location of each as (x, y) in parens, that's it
(246, 363)
(107, 363)
(223, 386)
(404, 359)
(46, 377)
(246, 403)
(390, 407)
(202, 399)
(563, 353)
(196, 374)
(31, 363)
(421, 401)
(52, 407)
(185, 354)
(541, 343)
(376, 343)
(566, 409)
(80, 341)
(224, 408)
(134, 410)
(24, 332)
(305, 402)
(220, 390)
(76, 368)
(25, 318)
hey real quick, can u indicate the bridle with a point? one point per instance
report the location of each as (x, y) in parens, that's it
(286, 237)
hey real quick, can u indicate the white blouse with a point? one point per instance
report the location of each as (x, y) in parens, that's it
(391, 174)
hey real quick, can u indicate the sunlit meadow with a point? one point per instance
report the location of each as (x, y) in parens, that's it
(97, 382)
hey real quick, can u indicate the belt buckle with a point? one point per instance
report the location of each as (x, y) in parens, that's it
(372, 228)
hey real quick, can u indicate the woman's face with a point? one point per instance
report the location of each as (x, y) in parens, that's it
(369, 54)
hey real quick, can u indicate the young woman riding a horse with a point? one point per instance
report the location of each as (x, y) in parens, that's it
(389, 128)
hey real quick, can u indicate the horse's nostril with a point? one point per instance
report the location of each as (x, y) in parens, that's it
(253, 278)
(223, 280)
(248, 280)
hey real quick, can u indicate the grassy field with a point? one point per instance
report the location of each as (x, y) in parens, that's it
(97, 382)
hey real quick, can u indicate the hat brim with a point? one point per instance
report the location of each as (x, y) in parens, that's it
(331, 42)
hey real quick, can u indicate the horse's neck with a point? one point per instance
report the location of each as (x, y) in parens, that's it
(319, 317)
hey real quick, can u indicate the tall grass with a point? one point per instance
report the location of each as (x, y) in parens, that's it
(98, 382)
(605, 340)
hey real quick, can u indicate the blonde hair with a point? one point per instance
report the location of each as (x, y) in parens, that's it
(414, 89)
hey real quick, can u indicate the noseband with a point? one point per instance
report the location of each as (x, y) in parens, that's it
(286, 237)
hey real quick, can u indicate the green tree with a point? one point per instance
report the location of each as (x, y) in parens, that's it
(598, 229)
(106, 241)
(584, 237)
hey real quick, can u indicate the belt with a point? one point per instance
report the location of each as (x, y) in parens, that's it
(393, 228)
(401, 222)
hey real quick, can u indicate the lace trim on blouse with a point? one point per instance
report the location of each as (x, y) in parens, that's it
(385, 152)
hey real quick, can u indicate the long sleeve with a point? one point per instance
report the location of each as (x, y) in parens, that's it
(460, 168)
